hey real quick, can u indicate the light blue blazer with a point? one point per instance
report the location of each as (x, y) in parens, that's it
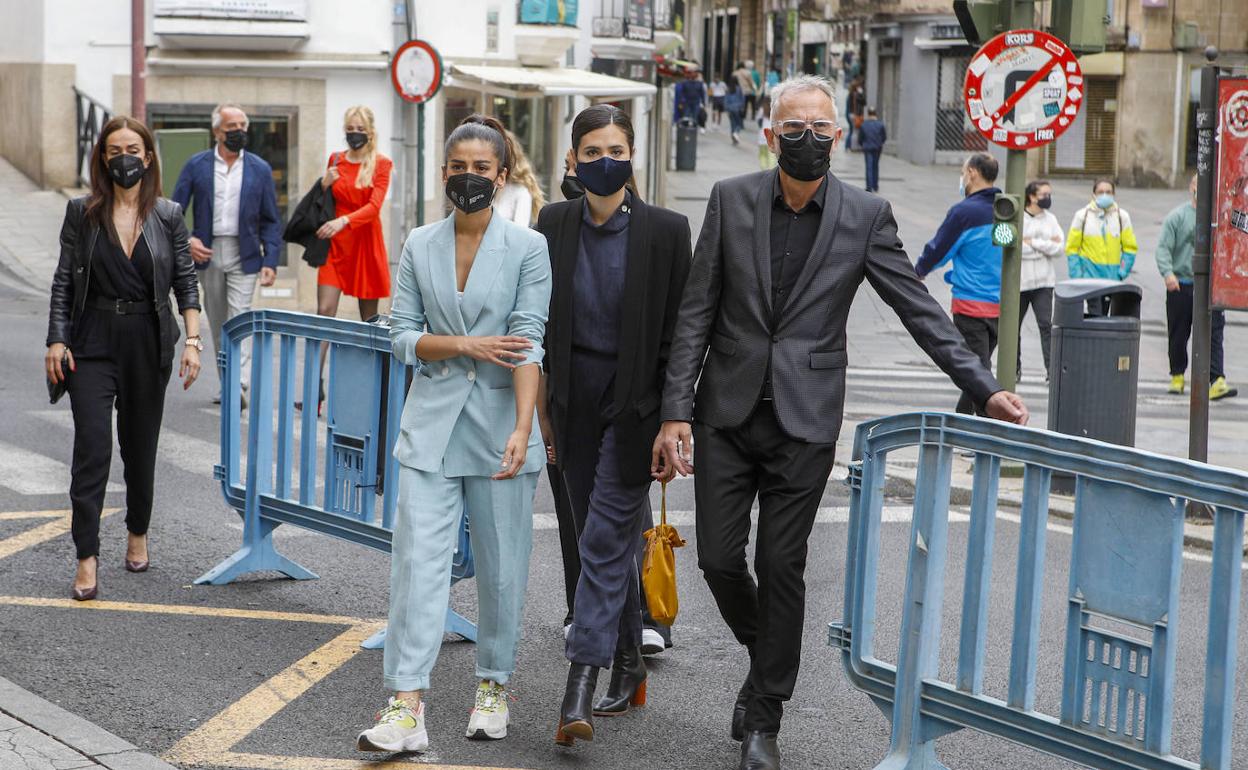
(460, 412)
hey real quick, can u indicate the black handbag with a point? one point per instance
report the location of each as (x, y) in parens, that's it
(314, 209)
(58, 389)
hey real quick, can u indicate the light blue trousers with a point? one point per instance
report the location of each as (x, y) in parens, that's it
(426, 529)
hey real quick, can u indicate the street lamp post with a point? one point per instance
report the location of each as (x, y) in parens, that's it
(1202, 317)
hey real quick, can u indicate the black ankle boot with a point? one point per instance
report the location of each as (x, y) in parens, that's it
(759, 751)
(576, 717)
(628, 684)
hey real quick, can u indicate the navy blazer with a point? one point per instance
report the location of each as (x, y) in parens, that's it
(259, 223)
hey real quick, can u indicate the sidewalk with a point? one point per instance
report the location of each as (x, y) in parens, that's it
(30, 229)
(36, 735)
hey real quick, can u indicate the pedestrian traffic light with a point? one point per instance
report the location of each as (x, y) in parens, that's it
(1080, 24)
(982, 20)
(1005, 220)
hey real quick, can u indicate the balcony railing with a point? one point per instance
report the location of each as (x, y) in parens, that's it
(553, 12)
(630, 19)
(91, 117)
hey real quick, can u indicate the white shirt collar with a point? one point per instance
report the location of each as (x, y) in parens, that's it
(216, 153)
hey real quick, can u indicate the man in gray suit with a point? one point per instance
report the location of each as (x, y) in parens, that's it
(779, 260)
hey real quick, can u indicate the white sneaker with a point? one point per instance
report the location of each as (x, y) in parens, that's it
(651, 642)
(398, 728)
(489, 717)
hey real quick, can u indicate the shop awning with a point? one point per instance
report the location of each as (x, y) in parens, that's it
(545, 81)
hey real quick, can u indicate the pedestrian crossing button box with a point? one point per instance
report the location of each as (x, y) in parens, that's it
(1094, 380)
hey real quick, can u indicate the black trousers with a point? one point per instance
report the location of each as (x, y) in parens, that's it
(788, 477)
(570, 525)
(981, 337)
(606, 613)
(1180, 309)
(131, 378)
(1041, 303)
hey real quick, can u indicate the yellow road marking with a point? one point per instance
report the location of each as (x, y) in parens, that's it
(42, 533)
(269, 762)
(221, 733)
(183, 609)
(20, 515)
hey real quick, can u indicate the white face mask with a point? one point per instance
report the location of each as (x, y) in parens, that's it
(961, 186)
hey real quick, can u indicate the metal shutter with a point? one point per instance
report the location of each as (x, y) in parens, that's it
(1095, 132)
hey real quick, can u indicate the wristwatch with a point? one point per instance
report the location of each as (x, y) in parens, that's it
(196, 342)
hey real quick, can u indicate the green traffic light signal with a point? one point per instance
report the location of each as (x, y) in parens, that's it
(1005, 211)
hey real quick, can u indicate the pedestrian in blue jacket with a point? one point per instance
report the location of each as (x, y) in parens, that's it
(236, 230)
(965, 240)
(871, 138)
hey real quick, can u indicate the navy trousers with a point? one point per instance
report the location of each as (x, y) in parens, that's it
(607, 610)
(872, 159)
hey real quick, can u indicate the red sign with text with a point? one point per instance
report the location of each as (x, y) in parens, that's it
(1229, 273)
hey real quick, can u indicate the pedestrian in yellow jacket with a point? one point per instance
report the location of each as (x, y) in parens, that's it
(1101, 242)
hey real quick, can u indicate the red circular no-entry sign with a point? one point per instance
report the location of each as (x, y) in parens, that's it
(416, 71)
(1023, 89)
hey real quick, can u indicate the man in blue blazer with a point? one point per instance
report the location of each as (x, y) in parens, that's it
(236, 235)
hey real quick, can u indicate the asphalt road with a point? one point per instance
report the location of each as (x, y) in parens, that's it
(168, 665)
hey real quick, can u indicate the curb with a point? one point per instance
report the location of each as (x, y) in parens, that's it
(94, 743)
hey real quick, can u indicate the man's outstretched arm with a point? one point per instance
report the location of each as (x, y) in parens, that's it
(889, 271)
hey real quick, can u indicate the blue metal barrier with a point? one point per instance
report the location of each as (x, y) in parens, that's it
(1126, 555)
(364, 393)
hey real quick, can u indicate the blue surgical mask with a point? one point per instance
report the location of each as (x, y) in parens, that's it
(961, 187)
(1104, 200)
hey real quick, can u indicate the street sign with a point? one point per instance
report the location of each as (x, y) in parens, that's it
(416, 71)
(1229, 274)
(1023, 89)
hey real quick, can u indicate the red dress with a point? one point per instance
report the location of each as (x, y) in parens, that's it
(357, 261)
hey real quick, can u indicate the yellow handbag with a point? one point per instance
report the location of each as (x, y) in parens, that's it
(658, 569)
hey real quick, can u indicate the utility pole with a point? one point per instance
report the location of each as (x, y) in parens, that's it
(1202, 317)
(1022, 16)
(138, 61)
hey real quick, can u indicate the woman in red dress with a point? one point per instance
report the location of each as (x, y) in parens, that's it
(357, 264)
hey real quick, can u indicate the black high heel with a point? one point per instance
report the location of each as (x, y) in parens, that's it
(576, 717)
(628, 684)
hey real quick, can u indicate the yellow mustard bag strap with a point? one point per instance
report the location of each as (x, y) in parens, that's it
(663, 505)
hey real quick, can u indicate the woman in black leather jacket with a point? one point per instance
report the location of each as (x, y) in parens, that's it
(112, 334)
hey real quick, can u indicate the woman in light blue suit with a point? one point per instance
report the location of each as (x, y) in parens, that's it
(473, 293)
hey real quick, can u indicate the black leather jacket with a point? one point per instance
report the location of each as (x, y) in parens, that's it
(172, 269)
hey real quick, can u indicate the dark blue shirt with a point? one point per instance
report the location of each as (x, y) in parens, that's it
(598, 282)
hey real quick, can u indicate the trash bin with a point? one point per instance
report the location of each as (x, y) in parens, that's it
(1094, 375)
(686, 144)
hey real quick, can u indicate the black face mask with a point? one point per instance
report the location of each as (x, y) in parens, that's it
(604, 176)
(235, 140)
(470, 192)
(572, 187)
(1044, 202)
(356, 139)
(805, 159)
(126, 170)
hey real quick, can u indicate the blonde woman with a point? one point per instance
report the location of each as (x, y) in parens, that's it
(521, 198)
(357, 264)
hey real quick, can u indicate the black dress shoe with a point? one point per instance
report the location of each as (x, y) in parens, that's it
(576, 717)
(759, 751)
(628, 684)
(738, 712)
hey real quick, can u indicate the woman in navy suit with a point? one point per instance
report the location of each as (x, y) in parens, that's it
(469, 313)
(619, 272)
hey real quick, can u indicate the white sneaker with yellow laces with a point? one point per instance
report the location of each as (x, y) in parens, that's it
(398, 728)
(488, 721)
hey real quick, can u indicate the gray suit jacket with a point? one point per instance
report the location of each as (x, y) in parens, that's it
(727, 307)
